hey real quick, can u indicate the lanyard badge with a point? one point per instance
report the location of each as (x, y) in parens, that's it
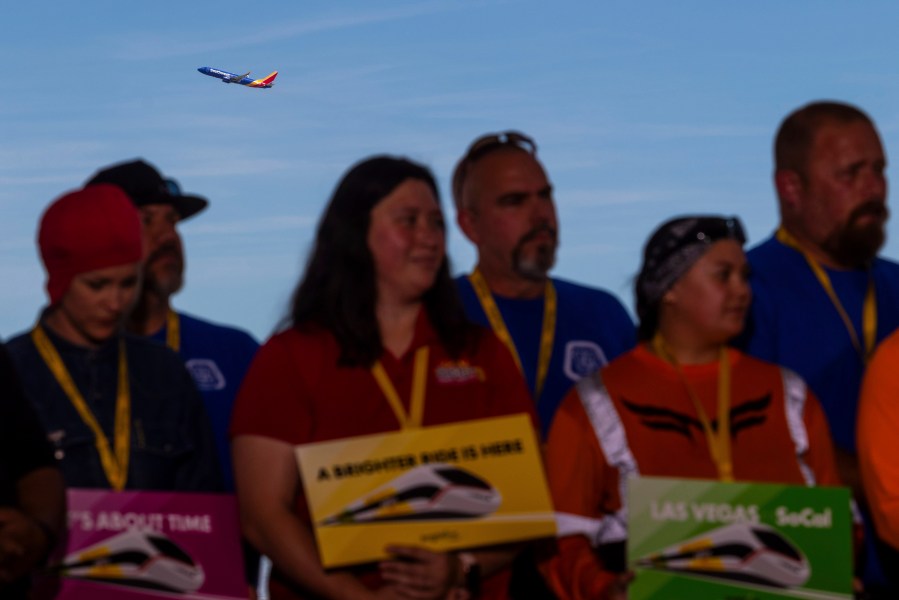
(114, 462)
(495, 317)
(173, 331)
(412, 419)
(718, 441)
(869, 308)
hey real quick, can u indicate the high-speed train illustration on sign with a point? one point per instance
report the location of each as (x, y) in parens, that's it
(429, 492)
(746, 552)
(136, 559)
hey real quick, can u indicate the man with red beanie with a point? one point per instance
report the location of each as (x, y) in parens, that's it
(120, 411)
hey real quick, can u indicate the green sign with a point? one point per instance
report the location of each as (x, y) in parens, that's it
(737, 541)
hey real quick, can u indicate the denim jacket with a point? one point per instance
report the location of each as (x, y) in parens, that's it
(172, 447)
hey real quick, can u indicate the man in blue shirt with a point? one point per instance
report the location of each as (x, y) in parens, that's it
(823, 299)
(558, 331)
(217, 356)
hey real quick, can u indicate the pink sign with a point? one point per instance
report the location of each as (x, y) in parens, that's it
(143, 545)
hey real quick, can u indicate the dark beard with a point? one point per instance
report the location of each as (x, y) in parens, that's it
(169, 282)
(856, 246)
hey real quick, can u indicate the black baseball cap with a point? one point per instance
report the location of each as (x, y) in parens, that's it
(144, 185)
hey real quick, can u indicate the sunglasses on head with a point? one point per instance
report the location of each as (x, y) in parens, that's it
(485, 145)
(491, 141)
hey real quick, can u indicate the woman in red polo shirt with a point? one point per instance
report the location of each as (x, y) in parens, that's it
(374, 318)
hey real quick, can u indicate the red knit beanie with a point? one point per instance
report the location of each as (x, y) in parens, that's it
(86, 230)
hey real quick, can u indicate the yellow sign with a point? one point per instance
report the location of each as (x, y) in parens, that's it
(451, 486)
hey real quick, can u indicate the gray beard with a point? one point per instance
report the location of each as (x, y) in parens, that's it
(536, 267)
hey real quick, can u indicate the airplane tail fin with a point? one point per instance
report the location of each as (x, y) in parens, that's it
(266, 81)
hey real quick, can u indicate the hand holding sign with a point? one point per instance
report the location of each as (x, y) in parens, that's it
(420, 573)
(22, 544)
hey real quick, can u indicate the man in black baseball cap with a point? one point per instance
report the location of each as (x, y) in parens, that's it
(162, 206)
(144, 185)
(217, 356)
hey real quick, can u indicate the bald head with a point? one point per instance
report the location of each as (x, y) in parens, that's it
(477, 177)
(831, 183)
(796, 135)
(504, 205)
(482, 147)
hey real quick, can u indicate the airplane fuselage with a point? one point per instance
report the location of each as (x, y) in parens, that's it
(228, 77)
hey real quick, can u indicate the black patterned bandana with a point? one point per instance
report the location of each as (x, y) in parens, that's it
(676, 246)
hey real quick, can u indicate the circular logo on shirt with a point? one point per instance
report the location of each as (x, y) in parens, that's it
(207, 376)
(583, 358)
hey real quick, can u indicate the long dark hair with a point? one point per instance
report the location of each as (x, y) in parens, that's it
(338, 289)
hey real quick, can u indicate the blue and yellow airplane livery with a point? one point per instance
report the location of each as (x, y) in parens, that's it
(245, 79)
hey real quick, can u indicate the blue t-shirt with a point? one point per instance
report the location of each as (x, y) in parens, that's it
(592, 328)
(793, 323)
(217, 357)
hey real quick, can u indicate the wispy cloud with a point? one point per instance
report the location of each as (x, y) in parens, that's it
(14, 247)
(587, 198)
(253, 226)
(591, 250)
(232, 164)
(698, 130)
(151, 47)
(48, 156)
(36, 179)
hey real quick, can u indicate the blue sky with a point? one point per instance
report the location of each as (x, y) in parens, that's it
(641, 111)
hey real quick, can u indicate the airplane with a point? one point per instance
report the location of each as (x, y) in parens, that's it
(245, 79)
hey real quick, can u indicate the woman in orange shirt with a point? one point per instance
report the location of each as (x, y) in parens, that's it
(681, 404)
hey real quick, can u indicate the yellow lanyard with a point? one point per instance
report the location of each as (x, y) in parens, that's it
(495, 317)
(115, 467)
(173, 331)
(413, 419)
(718, 442)
(869, 308)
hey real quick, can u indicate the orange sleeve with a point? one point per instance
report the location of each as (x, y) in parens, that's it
(877, 437)
(820, 457)
(576, 472)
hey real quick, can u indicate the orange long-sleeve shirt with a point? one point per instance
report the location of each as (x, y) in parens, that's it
(776, 436)
(877, 432)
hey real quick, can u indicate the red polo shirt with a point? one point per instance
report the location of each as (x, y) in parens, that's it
(295, 391)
